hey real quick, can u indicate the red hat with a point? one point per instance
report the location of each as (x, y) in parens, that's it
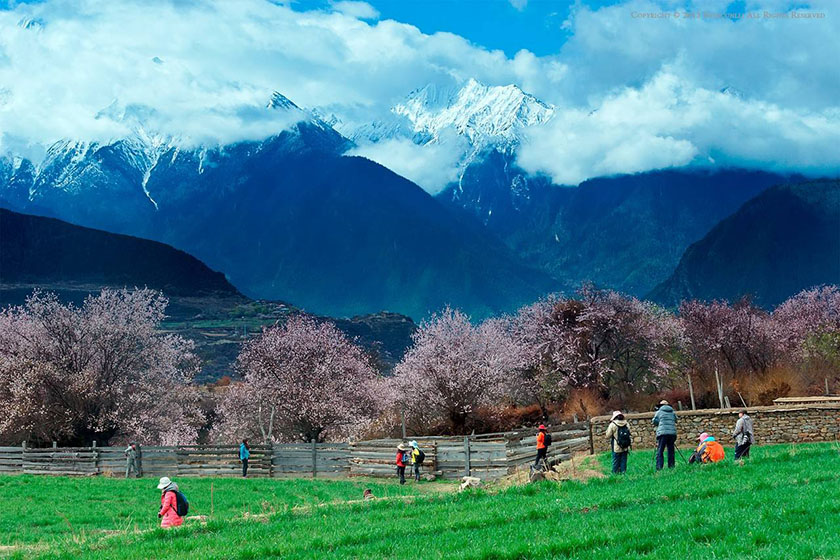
(542, 427)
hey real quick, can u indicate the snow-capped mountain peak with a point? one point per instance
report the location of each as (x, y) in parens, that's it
(280, 101)
(484, 114)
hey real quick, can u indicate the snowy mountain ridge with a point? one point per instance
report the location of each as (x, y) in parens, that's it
(73, 165)
(484, 114)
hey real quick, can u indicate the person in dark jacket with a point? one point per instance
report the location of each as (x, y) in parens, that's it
(743, 435)
(665, 421)
(619, 453)
(244, 455)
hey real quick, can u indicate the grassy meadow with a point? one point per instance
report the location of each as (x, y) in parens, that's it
(782, 503)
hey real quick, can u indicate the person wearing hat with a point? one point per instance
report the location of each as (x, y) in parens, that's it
(708, 450)
(618, 433)
(417, 458)
(743, 435)
(168, 513)
(402, 457)
(542, 448)
(665, 421)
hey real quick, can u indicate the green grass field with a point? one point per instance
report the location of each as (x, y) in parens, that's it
(783, 503)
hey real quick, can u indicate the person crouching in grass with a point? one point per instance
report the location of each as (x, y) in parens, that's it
(708, 451)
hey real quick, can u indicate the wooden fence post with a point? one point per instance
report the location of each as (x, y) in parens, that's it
(271, 461)
(55, 444)
(95, 458)
(314, 458)
(591, 438)
(691, 393)
(467, 469)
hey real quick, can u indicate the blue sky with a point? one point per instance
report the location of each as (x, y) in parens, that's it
(535, 25)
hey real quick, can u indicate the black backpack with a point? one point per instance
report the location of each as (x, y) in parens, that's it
(420, 457)
(547, 440)
(182, 506)
(623, 437)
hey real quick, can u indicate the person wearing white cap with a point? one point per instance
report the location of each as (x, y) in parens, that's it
(417, 458)
(402, 457)
(168, 513)
(618, 432)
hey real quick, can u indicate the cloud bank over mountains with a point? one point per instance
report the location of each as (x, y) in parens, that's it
(630, 93)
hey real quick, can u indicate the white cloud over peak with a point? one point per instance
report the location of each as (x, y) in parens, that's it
(201, 68)
(631, 93)
(432, 166)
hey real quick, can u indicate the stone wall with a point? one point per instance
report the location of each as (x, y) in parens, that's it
(772, 424)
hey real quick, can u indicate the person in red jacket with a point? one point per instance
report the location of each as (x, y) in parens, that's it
(541, 447)
(401, 459)
(168, 504)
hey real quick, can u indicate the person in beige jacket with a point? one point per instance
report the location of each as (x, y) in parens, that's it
(618, 433)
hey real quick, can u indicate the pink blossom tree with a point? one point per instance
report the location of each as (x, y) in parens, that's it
(102, 371)
(454, 368)
(628, 342)
(303, 380)
(548, 334)
(808, 324)
(738, 337)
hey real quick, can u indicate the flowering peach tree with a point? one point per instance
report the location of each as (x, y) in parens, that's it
(102, 371)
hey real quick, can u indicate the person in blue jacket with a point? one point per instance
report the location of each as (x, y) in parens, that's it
(665, 421)
(244, 455)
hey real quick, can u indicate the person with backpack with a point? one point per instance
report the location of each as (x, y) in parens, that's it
(402, 459)
(665, 421)
(244, 455)
(743, 435)
(173, 504)
(543, 442)
(417, 458)
(618, 432)
(708, 451)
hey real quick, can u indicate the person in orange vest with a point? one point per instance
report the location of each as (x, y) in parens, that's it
(542, 448)
(708, 451)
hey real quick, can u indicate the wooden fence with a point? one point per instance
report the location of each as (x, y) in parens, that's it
(488, 456)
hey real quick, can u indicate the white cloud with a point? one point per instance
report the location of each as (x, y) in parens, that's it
(431, 166)
(204, 71)
(669, 122)
(361, 10)
(519, 4)
(202, 68)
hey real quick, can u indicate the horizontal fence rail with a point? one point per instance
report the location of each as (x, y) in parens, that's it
(488, 456)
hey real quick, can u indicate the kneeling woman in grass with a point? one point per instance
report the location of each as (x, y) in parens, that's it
(168, 513)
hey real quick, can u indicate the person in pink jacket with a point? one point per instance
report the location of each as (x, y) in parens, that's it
(168, 504)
